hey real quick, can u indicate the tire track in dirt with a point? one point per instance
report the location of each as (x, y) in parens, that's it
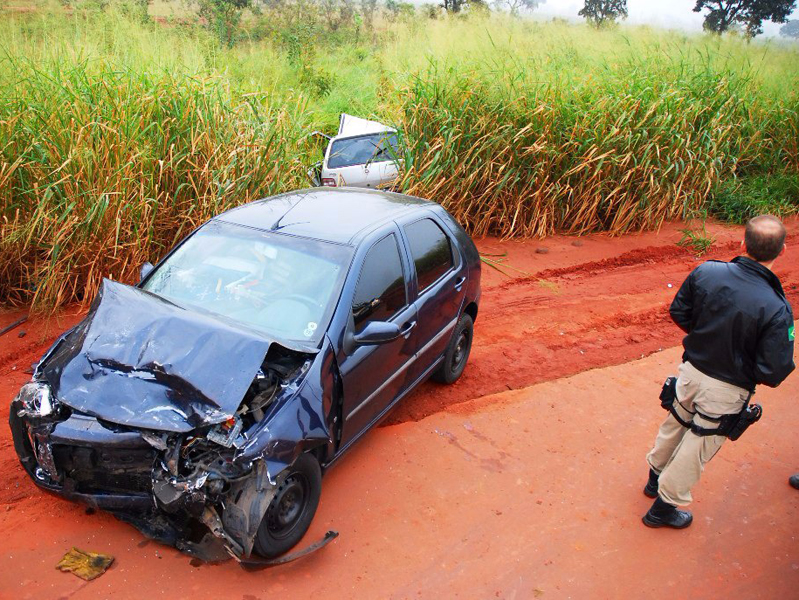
(652, 255)
(633, 258)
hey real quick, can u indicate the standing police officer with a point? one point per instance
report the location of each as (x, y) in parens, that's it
(740, 333)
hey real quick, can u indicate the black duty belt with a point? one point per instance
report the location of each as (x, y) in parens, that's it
(731, 426)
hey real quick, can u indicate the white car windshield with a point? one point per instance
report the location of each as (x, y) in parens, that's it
(283, 285)
(374, 147)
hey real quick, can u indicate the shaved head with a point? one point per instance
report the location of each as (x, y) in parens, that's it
(764, 238)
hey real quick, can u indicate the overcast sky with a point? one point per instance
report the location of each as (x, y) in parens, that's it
(673, 14)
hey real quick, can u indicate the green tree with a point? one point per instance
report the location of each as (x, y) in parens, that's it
(430, 10)
(397, 9)
(337, 13)
(223, 17)
(368, 8)
(722, 15)
(454, 6)
(602, 12)
(139, 9)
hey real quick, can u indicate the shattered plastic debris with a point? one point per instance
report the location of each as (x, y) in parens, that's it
(86, 565)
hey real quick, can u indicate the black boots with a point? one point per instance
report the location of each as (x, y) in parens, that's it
(651, 489)
(663, 514)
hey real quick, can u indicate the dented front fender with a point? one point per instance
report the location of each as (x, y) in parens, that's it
(304, 421)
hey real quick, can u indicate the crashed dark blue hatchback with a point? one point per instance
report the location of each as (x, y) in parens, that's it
(203, 405)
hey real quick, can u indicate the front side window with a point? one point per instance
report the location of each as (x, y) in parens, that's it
(375, 147)
(431, 251)
(283, 285)
(380, 292)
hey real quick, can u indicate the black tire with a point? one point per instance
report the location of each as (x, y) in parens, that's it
(457, 354)
(292, 509)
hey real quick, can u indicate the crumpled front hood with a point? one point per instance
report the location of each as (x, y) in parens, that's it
(142, 361)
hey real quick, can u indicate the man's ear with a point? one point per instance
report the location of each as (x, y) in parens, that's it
(784, 248)
(743, 246)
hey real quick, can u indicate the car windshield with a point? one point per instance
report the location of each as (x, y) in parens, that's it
(375, 147)
(283, 285)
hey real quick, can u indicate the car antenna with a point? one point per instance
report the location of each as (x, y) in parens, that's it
(277, 226)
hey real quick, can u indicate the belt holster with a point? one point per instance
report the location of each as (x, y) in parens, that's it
(731, 426)
(734, 425)
(668, 398)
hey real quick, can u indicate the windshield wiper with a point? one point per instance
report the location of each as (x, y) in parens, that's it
(378, 152)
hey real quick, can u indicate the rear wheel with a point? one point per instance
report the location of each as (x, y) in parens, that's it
(457, 354)
(292, 509)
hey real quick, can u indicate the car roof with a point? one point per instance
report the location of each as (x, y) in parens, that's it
(337, 215)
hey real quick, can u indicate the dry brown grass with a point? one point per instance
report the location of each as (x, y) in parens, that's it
(112, 169)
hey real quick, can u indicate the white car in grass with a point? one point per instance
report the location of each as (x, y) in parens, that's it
(362, 154)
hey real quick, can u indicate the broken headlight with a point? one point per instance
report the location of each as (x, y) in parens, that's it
(37, 400)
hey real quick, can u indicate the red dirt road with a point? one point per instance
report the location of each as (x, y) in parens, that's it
(603, 302)
(472, 493)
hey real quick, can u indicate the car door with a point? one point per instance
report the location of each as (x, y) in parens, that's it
(389, 171)
(389, 161)
(348, 161)
(374, 375)
(440, 277)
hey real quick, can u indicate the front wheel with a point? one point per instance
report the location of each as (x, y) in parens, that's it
(292, 509)
(457, 352)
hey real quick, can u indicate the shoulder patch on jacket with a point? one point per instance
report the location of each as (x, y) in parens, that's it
(791, 333)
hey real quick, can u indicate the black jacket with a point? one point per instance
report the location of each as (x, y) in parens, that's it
(739, 324)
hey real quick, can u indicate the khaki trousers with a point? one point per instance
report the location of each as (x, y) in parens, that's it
(679, 456)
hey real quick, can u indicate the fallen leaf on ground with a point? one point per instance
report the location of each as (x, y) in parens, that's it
(86, 565)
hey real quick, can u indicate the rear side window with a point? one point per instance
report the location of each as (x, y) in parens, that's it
(431, 251)
(381, 287)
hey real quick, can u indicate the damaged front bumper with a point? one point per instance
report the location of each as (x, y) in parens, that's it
(189, 447)
(174, 490)
(108, 475)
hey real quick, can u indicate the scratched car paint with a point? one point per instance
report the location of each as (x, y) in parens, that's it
(203, 405)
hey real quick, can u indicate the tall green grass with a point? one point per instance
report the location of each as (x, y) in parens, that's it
(117, 138)
(647, 141)
(103, 169)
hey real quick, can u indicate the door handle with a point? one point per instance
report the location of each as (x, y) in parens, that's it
(407, 328)
(459, 282)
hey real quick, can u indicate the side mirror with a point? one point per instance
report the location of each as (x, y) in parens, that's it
(378, 332)
(315, 174)
(146, 269)
(325, 136)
